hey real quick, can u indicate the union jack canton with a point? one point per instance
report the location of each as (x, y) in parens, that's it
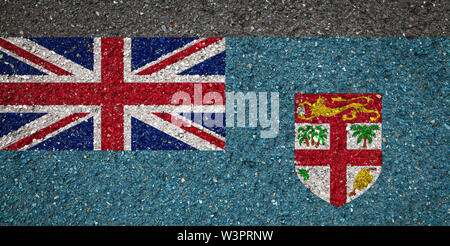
(112, 93)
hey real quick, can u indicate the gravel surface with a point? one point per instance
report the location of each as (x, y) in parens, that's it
(225, 18)
(254, 181)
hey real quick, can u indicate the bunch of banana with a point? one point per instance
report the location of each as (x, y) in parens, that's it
(362, 180)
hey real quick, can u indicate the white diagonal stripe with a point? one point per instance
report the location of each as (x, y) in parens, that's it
(175, 131)
(192, 123)
(38, 141)
(54, 114)
(191, 60)
(29, 129)
(80, 73)
(26, 61)
(163, 57)
(169, 74)
(178, 108)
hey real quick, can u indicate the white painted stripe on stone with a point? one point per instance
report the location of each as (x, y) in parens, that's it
(178, 108)
(127, 111)
(176, 79)
(127, 73)
(59, 109)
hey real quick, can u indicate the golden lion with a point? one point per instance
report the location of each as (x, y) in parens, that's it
(319, 109)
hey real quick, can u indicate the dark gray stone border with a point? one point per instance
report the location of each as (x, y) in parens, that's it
(279, 18)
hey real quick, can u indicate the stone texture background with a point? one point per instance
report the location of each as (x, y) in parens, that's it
(279, 18)
(253, 182)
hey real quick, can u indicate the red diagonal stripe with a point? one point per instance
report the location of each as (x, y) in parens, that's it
(191, 129)
(179, 56)
(33, 58)
(45, 131)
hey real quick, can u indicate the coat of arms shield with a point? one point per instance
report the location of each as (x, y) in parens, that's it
(338, 140)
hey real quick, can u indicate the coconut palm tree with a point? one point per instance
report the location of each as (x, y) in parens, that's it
(365, 133)
(321, 135)
(303, 136)
(311, 134)
(307, 133)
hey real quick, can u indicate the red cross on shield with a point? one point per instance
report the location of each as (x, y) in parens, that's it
(338, 139)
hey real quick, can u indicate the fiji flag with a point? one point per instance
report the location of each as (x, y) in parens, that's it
(112, 93)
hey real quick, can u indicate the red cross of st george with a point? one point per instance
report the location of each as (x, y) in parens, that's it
(338, 157)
